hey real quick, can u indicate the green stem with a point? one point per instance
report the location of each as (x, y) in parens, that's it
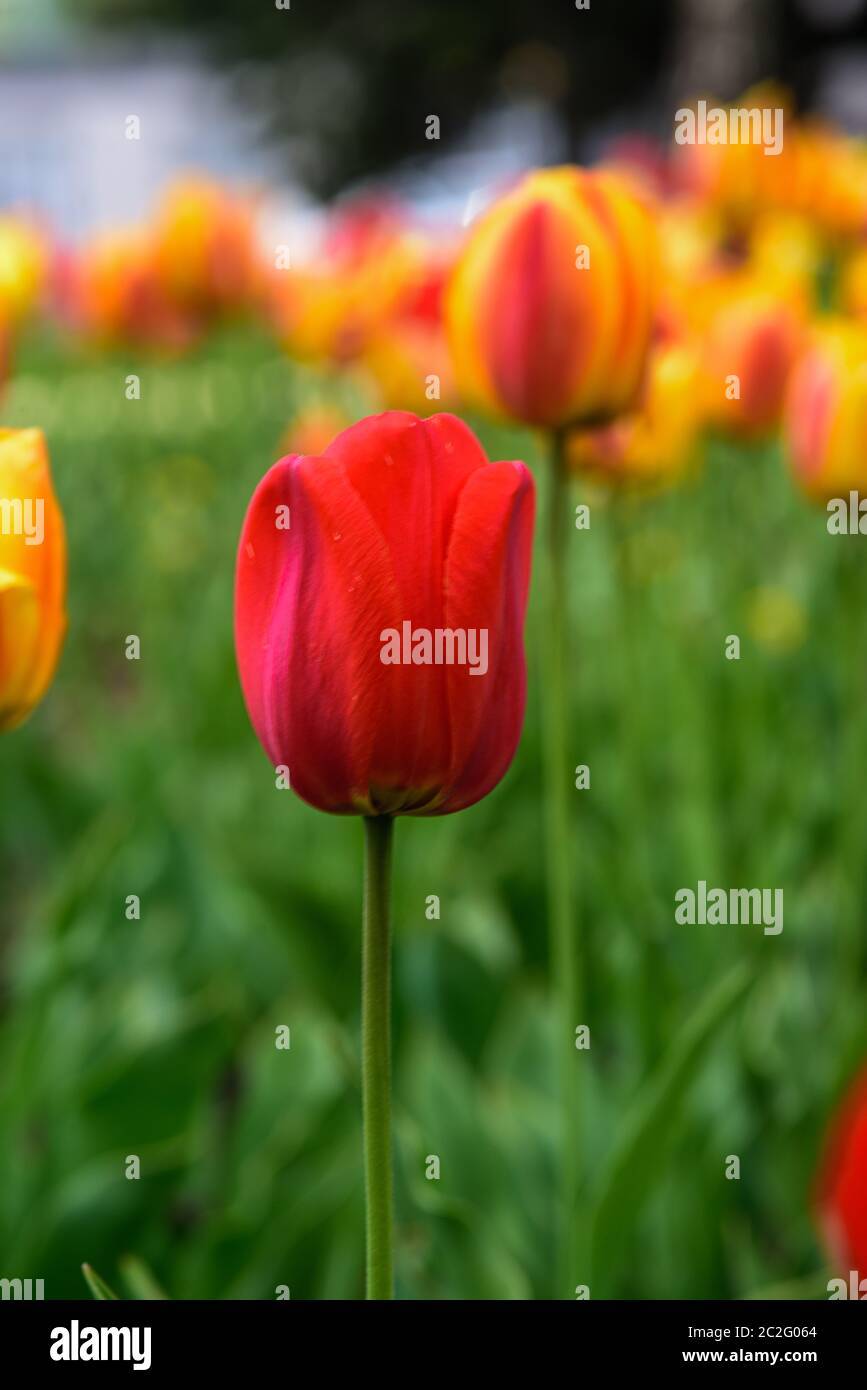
(559, 867)
(376, 1055)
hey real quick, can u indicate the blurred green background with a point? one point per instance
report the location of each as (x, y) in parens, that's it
(157, 1037)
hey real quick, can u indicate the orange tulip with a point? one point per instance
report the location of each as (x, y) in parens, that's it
(113, 293)
(205, 248)
(826, 413)
(549, 307)
(825, 179)
(32, 575)
(736, 177)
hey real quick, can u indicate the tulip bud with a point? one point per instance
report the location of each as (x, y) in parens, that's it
(826, 413)
(549, 307)
(379, 610)
(32, 575)
(841, 1189)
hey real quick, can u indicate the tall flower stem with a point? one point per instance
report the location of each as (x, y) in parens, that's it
(376, 1055)
(565, 965)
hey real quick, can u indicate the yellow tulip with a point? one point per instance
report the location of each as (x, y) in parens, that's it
(23, 268)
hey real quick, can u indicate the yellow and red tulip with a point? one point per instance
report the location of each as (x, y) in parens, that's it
(205, 253)
(549, 308)
(826, 412)
(750, 343)
(32, 575)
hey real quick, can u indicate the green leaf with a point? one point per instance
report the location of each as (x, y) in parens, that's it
(98, 1287)
(635, 1162)
(140, 1279)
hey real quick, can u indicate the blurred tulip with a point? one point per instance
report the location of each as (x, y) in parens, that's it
(751, 341)
(383, 272)
(312, 429)
(24, 262)
(826, 413)
(737, 177)
(655, 442)
(841, 1187)
(112, 293)
(826, 180)
(400, 522)
(549, 307)
(410, 364)
(785, 256)
(205, 252)
(818, 173)
(322, 308)
(690, 236)
(407, 353)
(32, 575)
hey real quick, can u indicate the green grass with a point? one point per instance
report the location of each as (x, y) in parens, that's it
(156, 1037)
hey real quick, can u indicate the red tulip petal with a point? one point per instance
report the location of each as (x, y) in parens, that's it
(487, 579)
(409, 474)
(398, 711)
(298, 627)
(842, 1194)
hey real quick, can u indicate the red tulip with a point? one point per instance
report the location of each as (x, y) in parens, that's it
(842, 1185)
(361, 572)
